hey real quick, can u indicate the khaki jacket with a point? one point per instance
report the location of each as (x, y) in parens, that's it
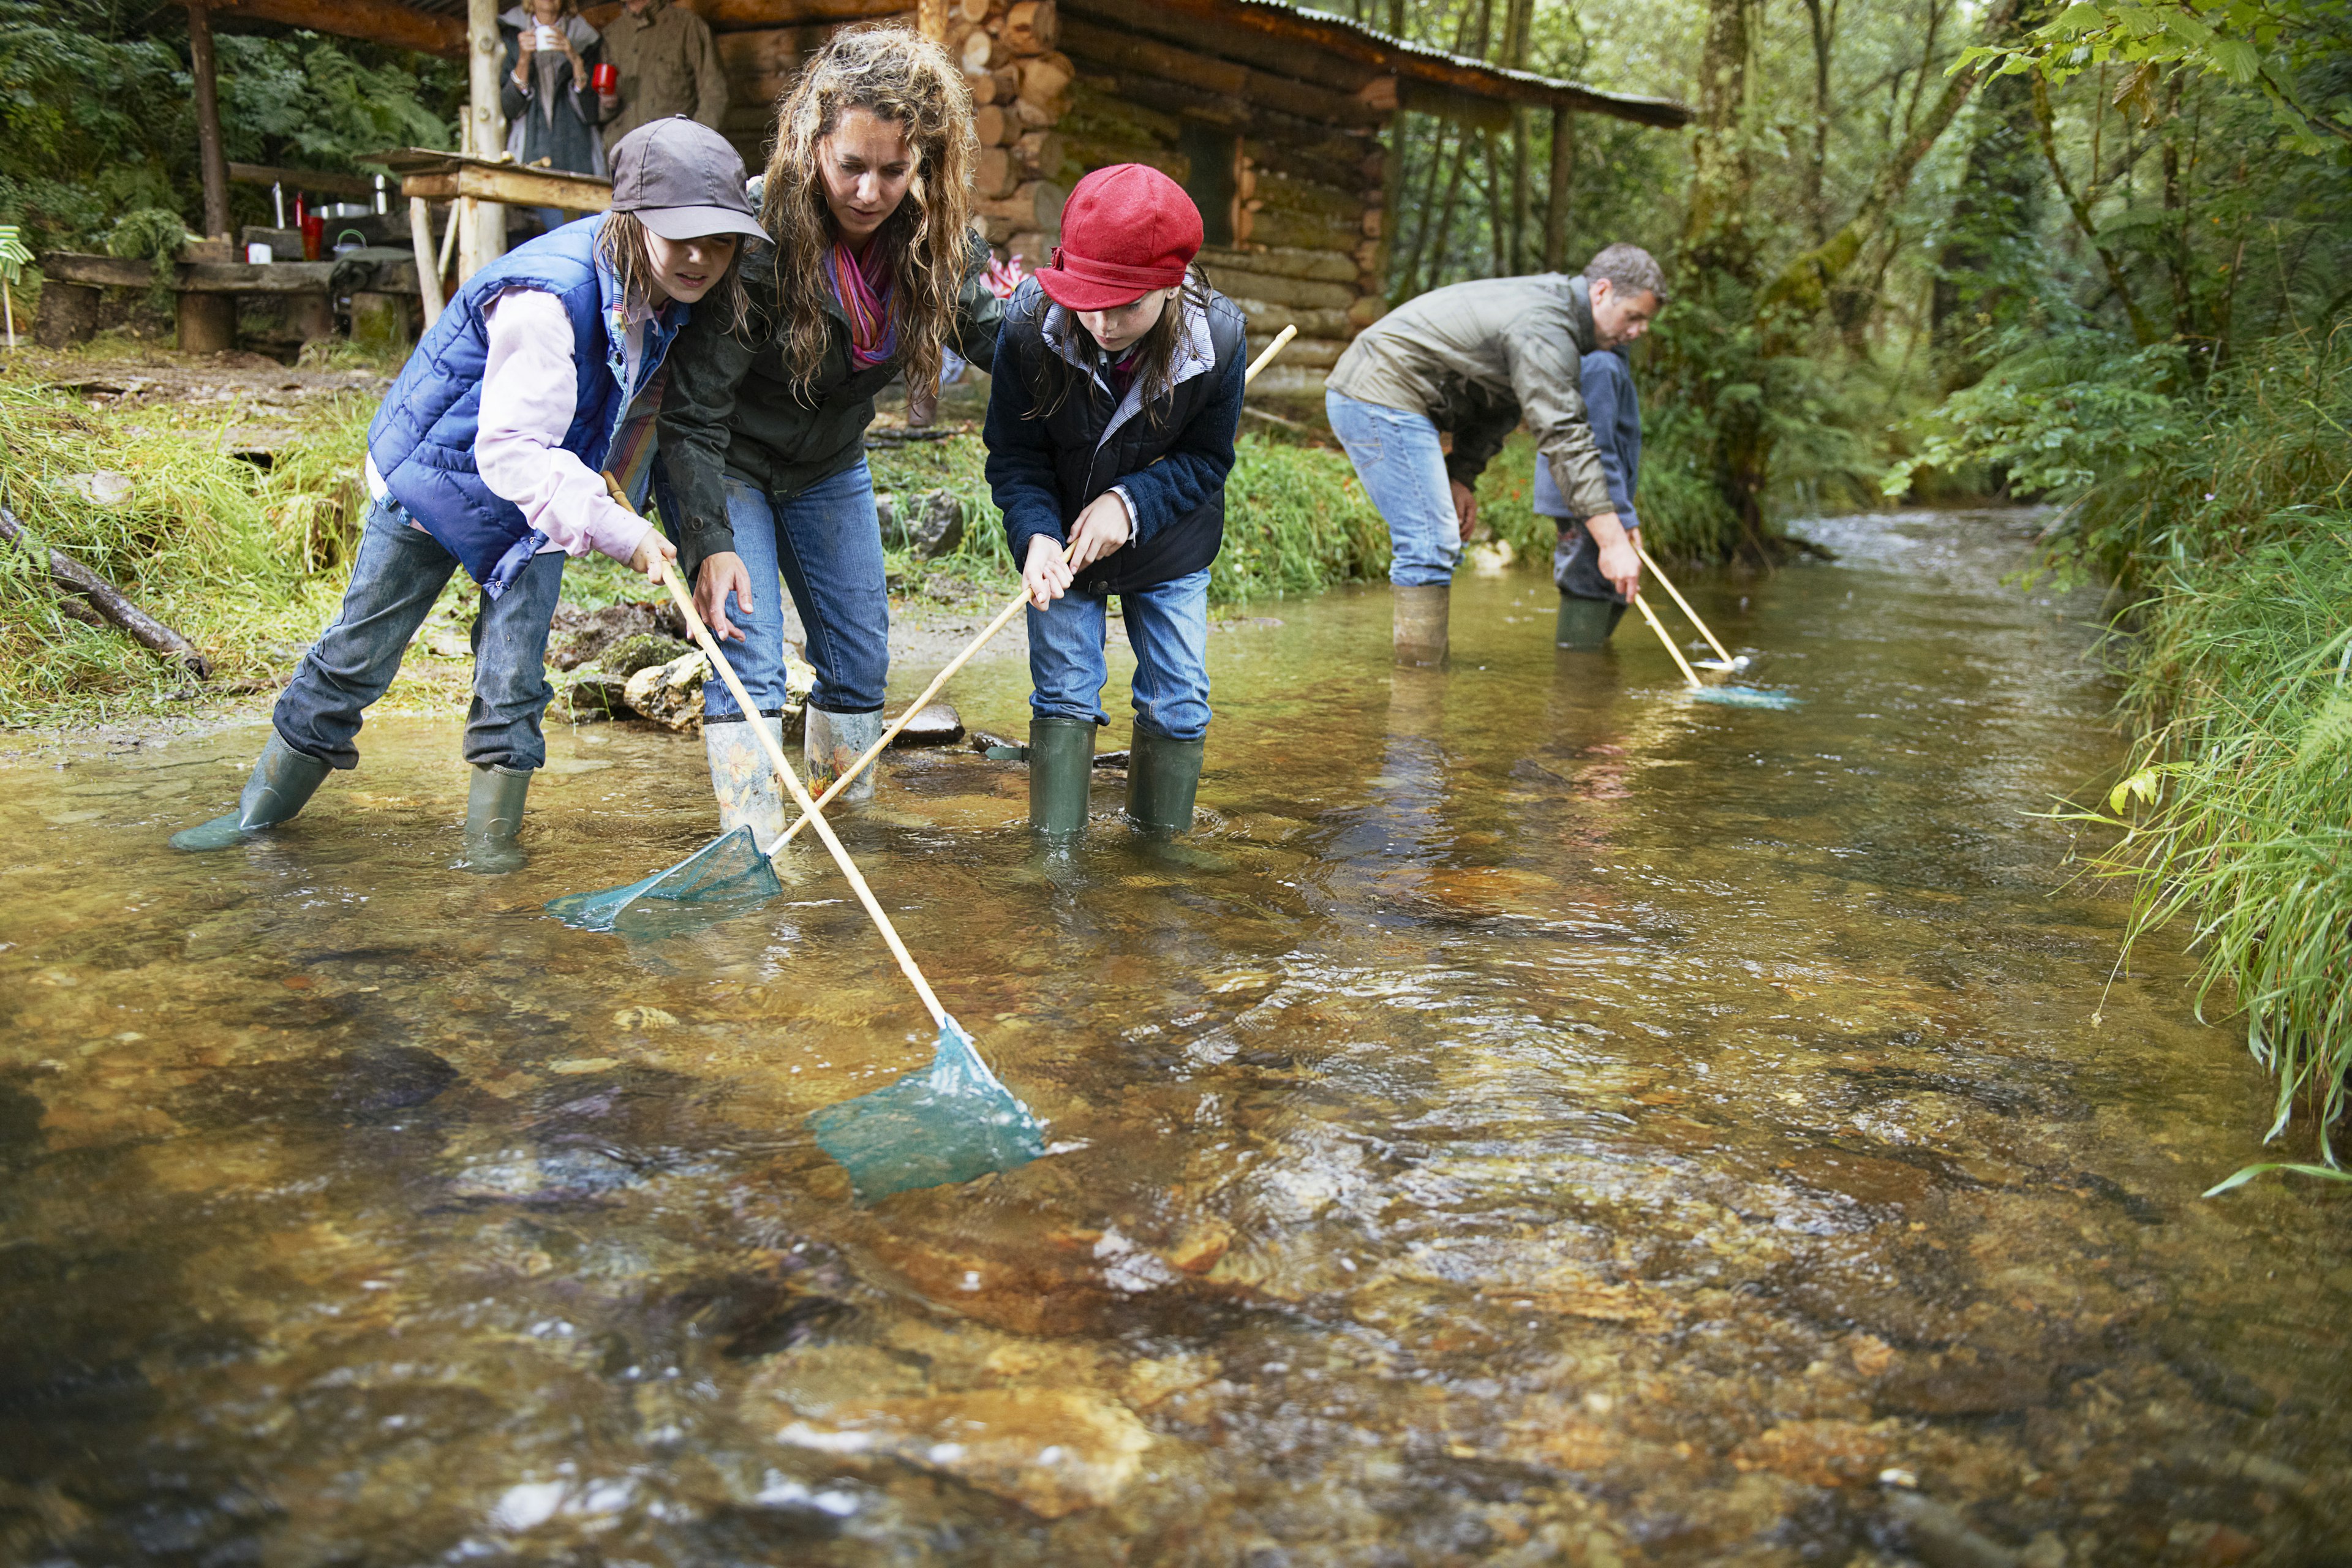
(1476, 358)
(668, 66)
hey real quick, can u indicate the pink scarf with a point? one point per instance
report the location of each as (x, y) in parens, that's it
(863, 286)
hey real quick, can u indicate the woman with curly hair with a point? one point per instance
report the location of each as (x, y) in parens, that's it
(871, 272)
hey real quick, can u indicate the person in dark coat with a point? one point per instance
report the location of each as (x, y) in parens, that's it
(872, 274)
(1110, 433)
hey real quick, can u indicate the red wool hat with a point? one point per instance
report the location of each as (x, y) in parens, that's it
(1125, 230)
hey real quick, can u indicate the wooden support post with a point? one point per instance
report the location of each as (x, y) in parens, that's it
(484, 239)
(428, 274)
(1522, 200)
(210, 156)
(1563, 166)
(931, 19)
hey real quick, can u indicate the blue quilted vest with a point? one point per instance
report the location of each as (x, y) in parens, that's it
(423, 437)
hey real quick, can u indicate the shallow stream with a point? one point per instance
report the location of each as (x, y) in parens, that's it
(1546, 1120)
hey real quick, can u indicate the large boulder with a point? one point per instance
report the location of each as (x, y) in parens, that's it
(927, 524)
(600, 690)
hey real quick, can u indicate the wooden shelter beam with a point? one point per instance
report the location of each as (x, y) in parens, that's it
(209, 154)
(377, 21)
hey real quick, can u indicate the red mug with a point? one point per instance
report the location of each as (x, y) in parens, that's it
(606, 79)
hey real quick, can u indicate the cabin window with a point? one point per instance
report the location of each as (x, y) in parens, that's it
(1212, 152)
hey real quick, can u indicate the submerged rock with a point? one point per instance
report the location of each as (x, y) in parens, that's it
(938, 724)
(1054, 1451)
(577, 636)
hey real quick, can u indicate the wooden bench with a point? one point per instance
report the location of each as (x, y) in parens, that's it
(204, 291)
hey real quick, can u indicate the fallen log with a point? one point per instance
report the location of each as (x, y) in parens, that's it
(72, 577)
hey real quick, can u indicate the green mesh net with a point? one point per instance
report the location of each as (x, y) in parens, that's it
(939, 1124)
(1745, 697)
(719, 880)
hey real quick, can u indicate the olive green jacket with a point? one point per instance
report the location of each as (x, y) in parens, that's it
(668, 66)
(1474, 358)
(730, 409)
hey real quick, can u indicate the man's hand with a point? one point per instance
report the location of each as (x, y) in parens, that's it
(1466, 508)
(1102, 527)
(1619, 561)
(1044, 576)
(653, 547)
(720, 575)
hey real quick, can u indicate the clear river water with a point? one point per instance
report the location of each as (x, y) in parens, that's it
(1546, 1120)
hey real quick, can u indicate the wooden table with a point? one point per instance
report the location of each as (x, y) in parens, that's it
(207, 330)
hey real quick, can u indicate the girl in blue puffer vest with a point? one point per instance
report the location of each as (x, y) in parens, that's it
(488, 454)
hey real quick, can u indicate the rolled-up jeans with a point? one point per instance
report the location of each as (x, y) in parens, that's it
(399, 573)
(825, 546)
(1397, 456)
(1168, 625)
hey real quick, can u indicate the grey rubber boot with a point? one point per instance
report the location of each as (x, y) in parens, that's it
(1420, 624)
(283, 781)
(1585, 623)
(1163, 776)
(831, 743)
(493, 817)
(1061, 767)
(744, 776)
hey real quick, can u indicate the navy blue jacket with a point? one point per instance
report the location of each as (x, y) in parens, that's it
(423, 437)
(1044, 469)
(1615, 411)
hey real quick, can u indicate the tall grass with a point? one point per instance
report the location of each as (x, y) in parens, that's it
(243, 561)
(2222, 515)
(2237, 808)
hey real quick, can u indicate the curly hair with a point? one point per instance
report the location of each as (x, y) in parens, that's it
(905, 79)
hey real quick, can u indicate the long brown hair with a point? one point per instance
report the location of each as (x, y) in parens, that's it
(1155, 354)
(622, 245)
(907, 79)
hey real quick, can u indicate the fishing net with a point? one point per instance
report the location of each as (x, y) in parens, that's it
(1745, 697)
(943, 1123)
(712, 884)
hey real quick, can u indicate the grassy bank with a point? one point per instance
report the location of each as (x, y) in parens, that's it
(248, 554)
(2223, 512)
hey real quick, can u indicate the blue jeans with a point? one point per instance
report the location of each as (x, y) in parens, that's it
(826, 544)
(399, 573)
(1397, 456)
(1169, 629)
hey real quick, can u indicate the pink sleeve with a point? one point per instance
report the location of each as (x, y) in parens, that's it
(528, 399)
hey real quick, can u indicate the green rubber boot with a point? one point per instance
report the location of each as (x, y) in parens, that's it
(1061, 765)
(283, 781)
(1163, 776)
(493, 817)
(1585, 623)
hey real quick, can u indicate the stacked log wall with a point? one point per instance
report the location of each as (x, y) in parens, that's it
(1056, 95)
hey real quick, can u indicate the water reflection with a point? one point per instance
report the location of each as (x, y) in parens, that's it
(1551, 1122)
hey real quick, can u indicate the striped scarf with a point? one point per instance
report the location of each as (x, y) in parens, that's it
(863, 286)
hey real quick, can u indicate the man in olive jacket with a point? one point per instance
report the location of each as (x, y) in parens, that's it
(1473, 359)
(667, 66)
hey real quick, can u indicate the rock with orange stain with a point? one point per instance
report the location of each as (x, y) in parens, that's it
(1053, 1451)
(1198, 1250)
(1871, 1354)
(1818, 1453)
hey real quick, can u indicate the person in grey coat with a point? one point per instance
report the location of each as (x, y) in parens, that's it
(1590, 604)
(1473, 360)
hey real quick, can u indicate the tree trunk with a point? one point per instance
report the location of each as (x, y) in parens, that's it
(1713, 237)
(1999, 197)
(1562, 188)
(2044, 123)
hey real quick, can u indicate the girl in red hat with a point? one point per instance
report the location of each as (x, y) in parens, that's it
(1110, 432)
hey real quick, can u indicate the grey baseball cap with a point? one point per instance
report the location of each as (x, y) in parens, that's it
(681, 180)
